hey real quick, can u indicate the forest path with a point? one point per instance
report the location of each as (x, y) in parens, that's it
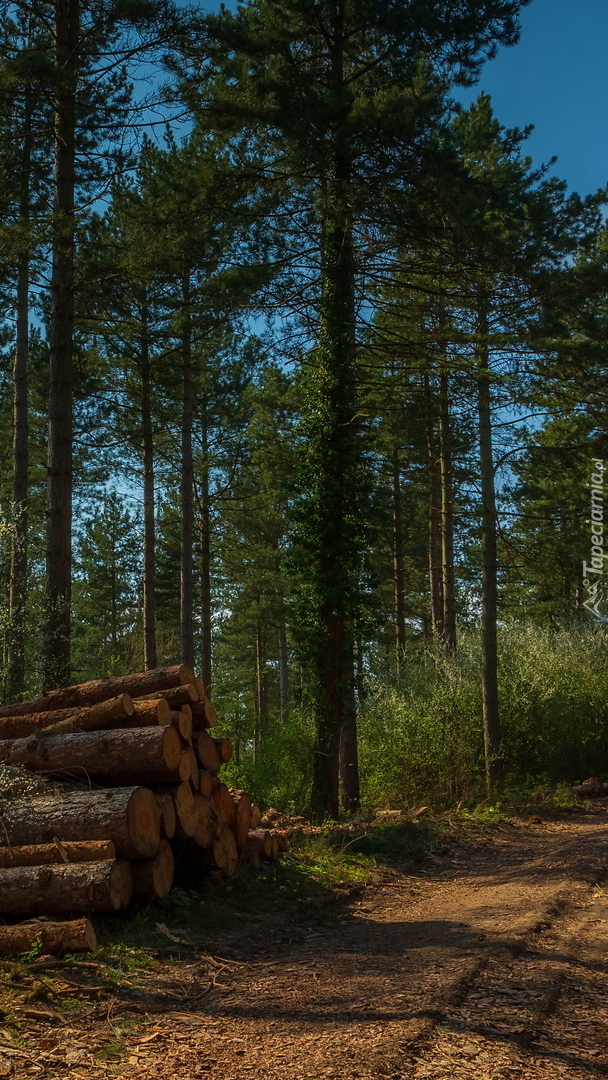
(488, 963)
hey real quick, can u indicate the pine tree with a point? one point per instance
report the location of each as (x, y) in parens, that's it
(344, 94)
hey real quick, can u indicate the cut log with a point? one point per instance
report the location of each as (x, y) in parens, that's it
(182, 722)
(275, 846)
(223, 852)
(201, 714)
(242, 821)
(128, 816)
(256, 816)
(154, 877)
(147, 713)
(167, 815)
(591, 789)
(251, 852)
(185, 811)
(224, 749)
(110, 753)
(206, 828)
(54, 938)
(181, 775)
(177, 696)
(283, 839)
(210, 713)
(112, 713)
(206, 783)
(224, 806)
(62, 851)
(263, 838)
(194, 767)
(141, 684)
(64, 888)
(200, 686)
(206, 751)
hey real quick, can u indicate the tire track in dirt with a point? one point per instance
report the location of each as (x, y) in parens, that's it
(486, 965)
(461, 972)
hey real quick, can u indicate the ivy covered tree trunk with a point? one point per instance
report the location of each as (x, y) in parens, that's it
(59, 500)
(489, 663)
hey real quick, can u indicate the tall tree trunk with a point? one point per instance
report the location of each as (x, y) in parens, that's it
(398, 568)
(283, 667)
(187, 478)
(149, 581)
(15, 675)
(59, 502)
(205, 567)
(448, 590)
(349, 759)
(261, 688)
(489, 675)
(336, 483)
(435, 580)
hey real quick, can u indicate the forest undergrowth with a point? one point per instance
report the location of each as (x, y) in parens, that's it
(421, 738)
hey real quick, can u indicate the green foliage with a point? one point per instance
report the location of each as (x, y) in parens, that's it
(423, 742)
(279, 772)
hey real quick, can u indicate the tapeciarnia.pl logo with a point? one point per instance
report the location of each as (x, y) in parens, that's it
(593, 571)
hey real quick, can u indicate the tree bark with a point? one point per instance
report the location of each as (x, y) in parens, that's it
(149, 568)
(489, 599)
(75, 935)
(187, 482)
(128, 816)
(283, 668)
(54, 889)
(185, 810)
(434, 516)
(168, 817)
(15, 673)
(336, 572)
(261, 689)
(203, 715)
(448, 590)
(148, 712)
(224, 805)
(59, 489)
(207, 752)
(205, 568)
(242, 822)
(176, 696)
(398, 565)
(115, 753)
(62, 851)
(153, 877)
(140, 684)
(112, 713)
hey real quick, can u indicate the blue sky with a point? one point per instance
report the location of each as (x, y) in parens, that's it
(557, 79)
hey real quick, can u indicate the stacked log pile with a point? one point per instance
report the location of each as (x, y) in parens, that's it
(150, 800)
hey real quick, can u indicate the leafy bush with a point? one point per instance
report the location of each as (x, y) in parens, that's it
(423, 741)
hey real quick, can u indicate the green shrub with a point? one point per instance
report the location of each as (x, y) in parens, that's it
(423, 741)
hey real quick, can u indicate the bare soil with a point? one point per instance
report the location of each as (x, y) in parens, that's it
(487, 962)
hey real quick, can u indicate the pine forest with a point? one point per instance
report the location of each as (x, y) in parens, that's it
(302, 386)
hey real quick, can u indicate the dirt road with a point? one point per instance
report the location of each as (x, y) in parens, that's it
(490, 962)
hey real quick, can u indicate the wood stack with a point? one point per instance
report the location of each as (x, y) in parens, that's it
(154, 802)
